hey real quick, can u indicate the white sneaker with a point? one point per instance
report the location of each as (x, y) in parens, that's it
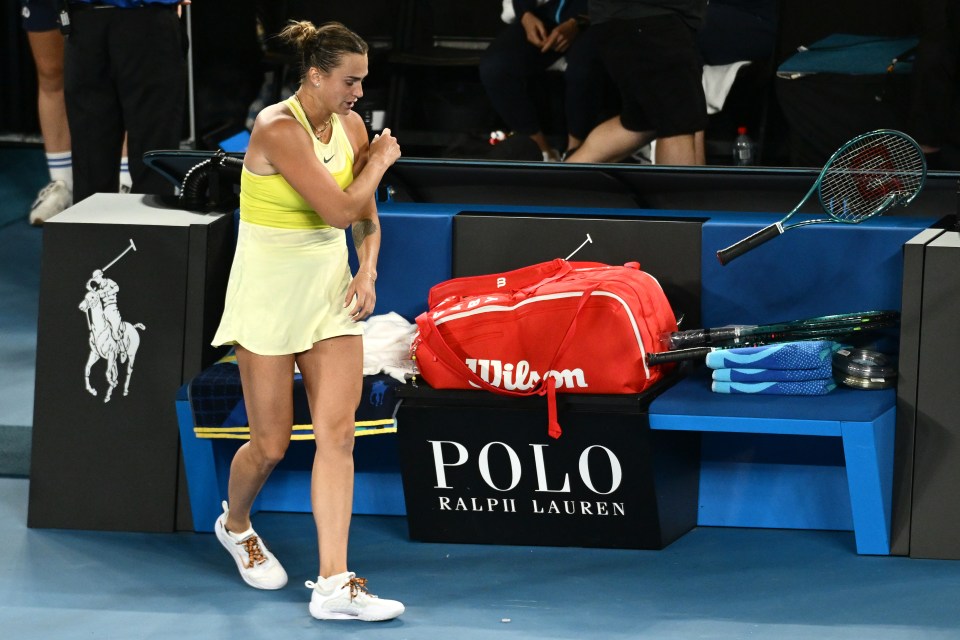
(551, 156)
(258, 567)
(345, 597)
(52, 199)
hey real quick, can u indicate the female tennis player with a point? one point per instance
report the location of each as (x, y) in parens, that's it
(308, 174)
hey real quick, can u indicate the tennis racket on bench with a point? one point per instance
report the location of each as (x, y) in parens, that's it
(697, 343)
(863, 178)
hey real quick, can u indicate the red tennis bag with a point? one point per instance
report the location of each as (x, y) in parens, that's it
(572, 327)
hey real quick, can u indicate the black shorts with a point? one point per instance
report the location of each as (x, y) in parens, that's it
(40, 15)
(658, 70)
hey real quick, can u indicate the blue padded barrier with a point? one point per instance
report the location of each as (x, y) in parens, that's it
(416, 253)
(811, 271)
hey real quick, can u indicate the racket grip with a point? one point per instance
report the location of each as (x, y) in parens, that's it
(677, 355)
(681, 339)
(749, 243)
(700, 337)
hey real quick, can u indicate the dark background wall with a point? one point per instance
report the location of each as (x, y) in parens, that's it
(18, 107)
(423, 65)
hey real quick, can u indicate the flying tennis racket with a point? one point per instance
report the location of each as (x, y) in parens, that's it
(863, 178)
(696, 343)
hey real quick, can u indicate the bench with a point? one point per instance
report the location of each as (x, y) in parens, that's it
(817, 463)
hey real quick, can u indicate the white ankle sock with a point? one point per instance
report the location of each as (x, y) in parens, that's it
(125, 179)
(60, 166)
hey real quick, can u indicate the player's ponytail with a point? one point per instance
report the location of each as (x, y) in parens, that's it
(322, 47)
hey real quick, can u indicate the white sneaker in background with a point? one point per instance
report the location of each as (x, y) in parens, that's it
(52, 199)
(124, 188)
(551, 156)
(258, 567)
(345, 597)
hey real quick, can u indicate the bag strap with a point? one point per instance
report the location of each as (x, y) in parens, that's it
(430, 334)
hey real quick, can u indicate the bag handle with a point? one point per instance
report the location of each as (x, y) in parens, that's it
(517, 280)
(430, 334)
(522, 279)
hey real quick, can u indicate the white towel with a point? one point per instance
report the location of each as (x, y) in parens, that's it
(386, 346)
(717, 80)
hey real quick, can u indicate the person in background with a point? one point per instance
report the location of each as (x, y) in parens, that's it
(124, 71)
(650, 49)
(540, 34)
(46, 46)
(735, 30)
(42, 24)
(308, 173)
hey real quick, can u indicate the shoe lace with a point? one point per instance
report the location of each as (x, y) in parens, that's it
(46, 191)
(254, 551)
(358, 586)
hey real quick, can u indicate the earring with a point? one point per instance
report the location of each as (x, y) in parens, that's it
(316, 84)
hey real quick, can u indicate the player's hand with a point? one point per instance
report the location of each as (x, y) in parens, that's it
(362, 293)
(385, 147)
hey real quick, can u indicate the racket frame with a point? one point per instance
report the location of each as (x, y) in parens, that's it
(732, 335)
(781, 332)
(777, 228)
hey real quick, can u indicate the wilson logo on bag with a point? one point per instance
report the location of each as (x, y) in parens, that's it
(572, 327)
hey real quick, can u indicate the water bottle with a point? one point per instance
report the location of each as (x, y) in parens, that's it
(743, 149)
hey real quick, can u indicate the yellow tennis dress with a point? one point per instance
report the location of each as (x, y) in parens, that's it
(290, 274)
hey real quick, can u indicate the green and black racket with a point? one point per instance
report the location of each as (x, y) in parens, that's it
(696, 343)
(862, 179)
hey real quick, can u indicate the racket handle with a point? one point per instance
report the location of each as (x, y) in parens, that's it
(700, 337)
(749, 243)
(677, 355)
(681, 339)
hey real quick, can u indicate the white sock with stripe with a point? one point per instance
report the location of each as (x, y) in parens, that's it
(125, 179)
(61, 167)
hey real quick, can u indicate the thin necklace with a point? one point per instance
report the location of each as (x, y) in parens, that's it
(317, 132)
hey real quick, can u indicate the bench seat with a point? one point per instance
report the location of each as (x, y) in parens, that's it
(784, 493)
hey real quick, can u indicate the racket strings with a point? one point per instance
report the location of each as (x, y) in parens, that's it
(874, 172)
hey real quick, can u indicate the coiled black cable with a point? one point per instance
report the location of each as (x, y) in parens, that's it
(209, 184)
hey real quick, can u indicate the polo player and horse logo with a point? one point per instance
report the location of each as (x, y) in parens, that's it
(111, 339)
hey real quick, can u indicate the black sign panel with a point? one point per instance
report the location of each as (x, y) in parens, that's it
(487, 472)
(666, 248)
(106, 449)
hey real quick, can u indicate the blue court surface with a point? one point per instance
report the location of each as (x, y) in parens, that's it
(712, 583)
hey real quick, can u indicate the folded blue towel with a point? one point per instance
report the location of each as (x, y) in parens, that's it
(804, 354)
(773, 375)
(805, 388)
